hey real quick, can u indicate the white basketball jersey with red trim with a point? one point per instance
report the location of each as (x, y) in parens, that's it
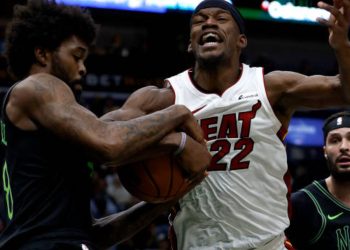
(242, 204)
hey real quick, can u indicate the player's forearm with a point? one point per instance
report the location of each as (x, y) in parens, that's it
(120, 227)
(343, 58)
(167, 145)
(122, 115)
(131, 137)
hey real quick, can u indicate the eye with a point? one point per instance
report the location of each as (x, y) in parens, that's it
(78, 58)
(334, 140)
(221, 18)
(197, 20)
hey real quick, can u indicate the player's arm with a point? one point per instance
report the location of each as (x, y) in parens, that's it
(49, 103)
(194, 154)
(120, 227)
(289, 91)
(338, 25)
(143, 101)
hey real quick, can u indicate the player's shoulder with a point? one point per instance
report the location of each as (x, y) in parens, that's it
(36, 84)
(304, 197)
(299, 195)
(37, 89)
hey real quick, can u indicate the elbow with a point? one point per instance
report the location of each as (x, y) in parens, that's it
(343, 88)
(340, 93)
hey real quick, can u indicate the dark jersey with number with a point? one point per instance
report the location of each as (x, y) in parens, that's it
(45, 185)
(319, 220)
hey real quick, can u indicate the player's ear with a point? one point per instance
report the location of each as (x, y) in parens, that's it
(41, 56)
(242, 41)
(324, 152)
(189, 47)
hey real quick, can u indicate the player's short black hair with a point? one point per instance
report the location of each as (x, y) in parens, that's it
(43, 24)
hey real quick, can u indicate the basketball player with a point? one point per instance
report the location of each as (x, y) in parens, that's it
(321, 211)
(49, 138)
(244, 114)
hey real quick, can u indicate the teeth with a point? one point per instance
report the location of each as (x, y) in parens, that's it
(210, 35)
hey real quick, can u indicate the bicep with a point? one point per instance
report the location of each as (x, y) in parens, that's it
(317, 92)
(293, 90)
(143, 101)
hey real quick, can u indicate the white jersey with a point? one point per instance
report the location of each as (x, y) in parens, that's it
(242, 204)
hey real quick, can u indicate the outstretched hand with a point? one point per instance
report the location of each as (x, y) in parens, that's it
(338, 22)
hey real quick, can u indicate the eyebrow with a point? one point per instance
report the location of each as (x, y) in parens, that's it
(81, 50)
(338, 134)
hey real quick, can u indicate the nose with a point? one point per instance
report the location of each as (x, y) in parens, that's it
(82, 69)
(210, 21)
(345, 145)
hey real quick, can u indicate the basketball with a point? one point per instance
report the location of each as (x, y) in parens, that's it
(153, 180)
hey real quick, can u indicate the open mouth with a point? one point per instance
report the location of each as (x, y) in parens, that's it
(210, 39)
(343, 161)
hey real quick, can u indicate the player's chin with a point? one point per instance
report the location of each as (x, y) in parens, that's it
(76, 84)
(76, 80)
(210, 59)
(341, 172)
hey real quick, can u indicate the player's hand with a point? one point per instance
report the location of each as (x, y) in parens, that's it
(338, 22)
(191, 127)
(194, 158)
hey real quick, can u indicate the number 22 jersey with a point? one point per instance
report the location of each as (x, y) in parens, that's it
(242, 204)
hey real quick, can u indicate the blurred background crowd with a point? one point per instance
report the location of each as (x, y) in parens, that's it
(136, 49)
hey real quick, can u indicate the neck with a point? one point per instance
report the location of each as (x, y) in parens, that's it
(339, 189)
(217, 79)
(37, 68)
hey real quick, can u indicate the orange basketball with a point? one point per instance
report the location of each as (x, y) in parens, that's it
(154, 180)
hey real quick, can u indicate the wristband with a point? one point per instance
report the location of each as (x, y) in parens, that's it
(182, 144)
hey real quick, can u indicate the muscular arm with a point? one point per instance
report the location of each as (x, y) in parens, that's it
(289, 91)
(143, 101)
(338, 25)
(148, 100)
(44, 101)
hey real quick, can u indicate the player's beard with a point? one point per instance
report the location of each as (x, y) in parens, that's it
(61, 72)
(211, 62)
(338, 175)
